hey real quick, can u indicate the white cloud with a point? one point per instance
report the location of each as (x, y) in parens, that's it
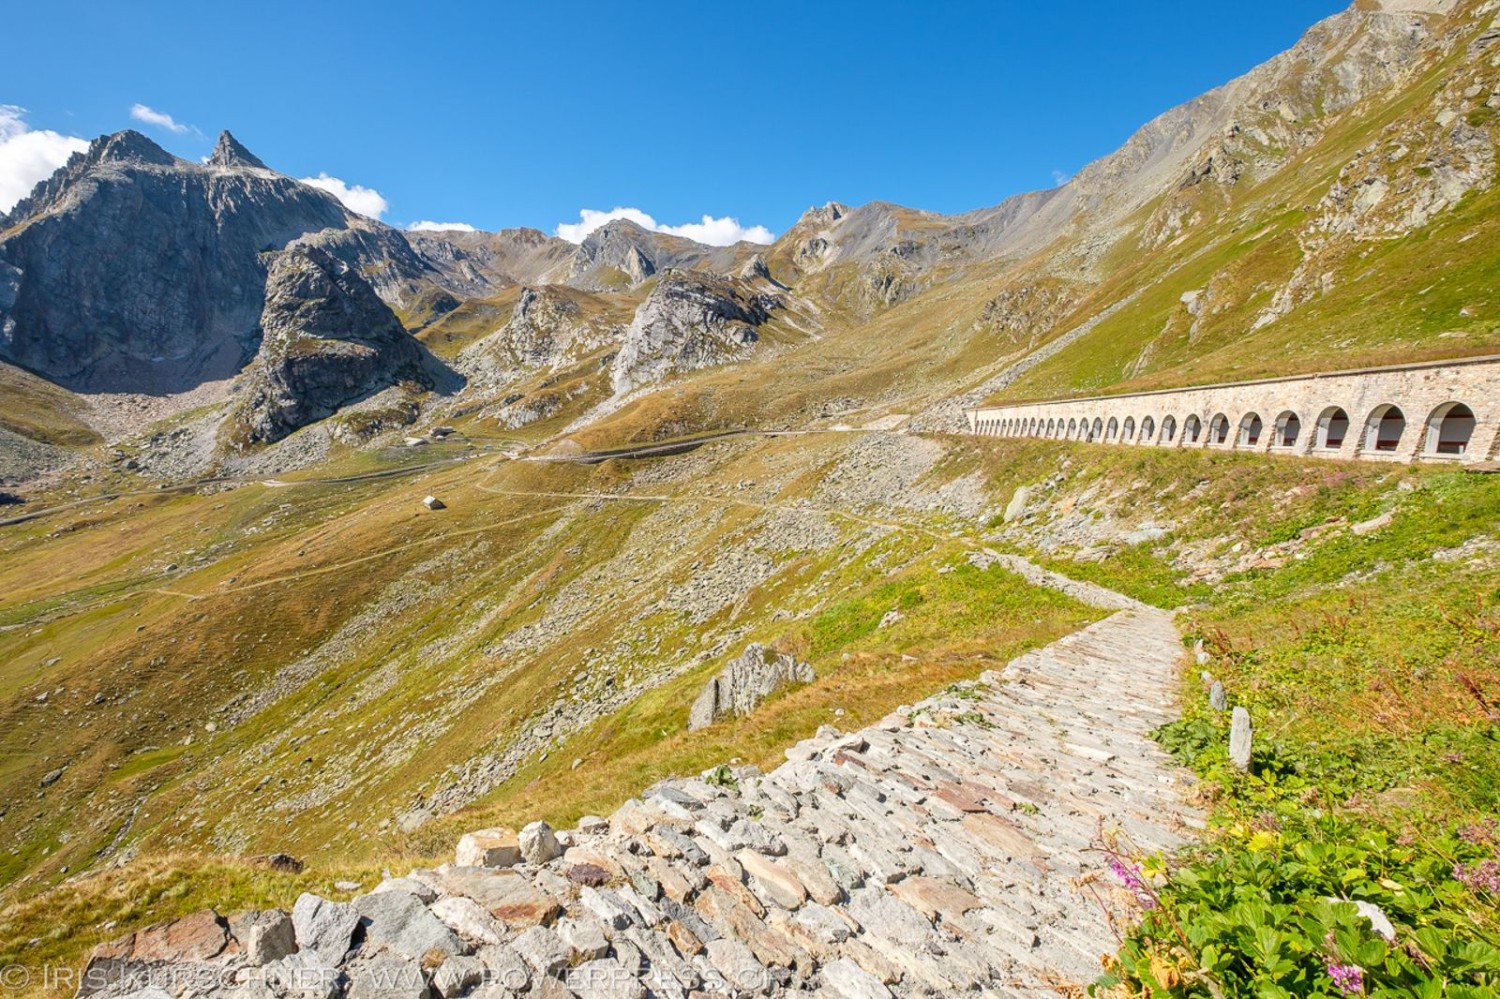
(160, 119)
(711, 231)
(428, 226)
(28, 156)
(1059, 178)
(365, 200)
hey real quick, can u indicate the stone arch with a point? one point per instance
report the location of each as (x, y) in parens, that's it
(1148, 430)
(1384, 428)
(1112, 429)
(1096, 429)
(1072, 428)
(1127, 430)
(1192, 429)
(1051, 426)
(1250, 430)
(1168, 428)
(1449, 429)
(1288, 428)
(1218, 430)
(1332, 429)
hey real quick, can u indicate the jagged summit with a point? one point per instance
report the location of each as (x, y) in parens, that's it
(128, 146)
(229, 152)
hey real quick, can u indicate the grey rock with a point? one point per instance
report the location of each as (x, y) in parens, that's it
(1218, 699)
(605, 979)
(399, 922)
(326, 339)
(690, 320)
(457, 975)
(426, 892)
(1016, 508)
(1240, 738)
(739, 968)
(538, 843)
(846, 980)
(303, 975)
(387, 976)
(504, 967)
(325, 928)
(470, 920)
(542, 950)
(267, 936)
(585, 941)
(1380, 923)
(744, 683)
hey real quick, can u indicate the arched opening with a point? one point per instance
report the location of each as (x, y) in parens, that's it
(1218, 429)
(1288, 428)
(1127, 430)
(1097, 430)
(1111, 429)
(1192, 429)
(1449, 429)
(1051, 426)
(1333, 427)
(1168, 428)
(1072, 428)
(1250, 430)
(1383, 428)
(1148, 430)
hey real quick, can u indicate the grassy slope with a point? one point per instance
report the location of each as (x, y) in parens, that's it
(1427, 294)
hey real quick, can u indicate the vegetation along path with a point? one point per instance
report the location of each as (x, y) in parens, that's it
(964, 844)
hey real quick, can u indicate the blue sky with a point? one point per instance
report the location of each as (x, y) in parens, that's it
(500, 115)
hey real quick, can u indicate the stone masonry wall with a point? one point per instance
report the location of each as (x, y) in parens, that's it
(1401, 413)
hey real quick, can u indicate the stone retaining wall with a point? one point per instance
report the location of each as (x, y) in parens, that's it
(1435, 411)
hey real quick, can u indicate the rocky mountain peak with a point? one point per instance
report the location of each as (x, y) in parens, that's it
(128, 146)
(826, 215)
(229, 152)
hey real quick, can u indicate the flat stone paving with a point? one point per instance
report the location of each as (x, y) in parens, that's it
(951, 848)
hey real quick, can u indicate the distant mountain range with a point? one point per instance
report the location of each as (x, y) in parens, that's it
(1254, 229)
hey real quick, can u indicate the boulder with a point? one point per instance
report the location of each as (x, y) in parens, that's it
(543, 950)
(585, 941)
(498, 847)
(433, 503)
(265, 936)
(324, 928)
(397, 921)
(195, 937)
(387, 976)
(470, 920)
(303, 975)
(743, 684)
(1016, 508)
(538, 843)
(1240, 737)
(457, 975)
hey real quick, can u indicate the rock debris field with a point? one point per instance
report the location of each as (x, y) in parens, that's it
(954, 847)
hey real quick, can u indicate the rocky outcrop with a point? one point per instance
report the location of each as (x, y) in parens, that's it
(132, 270)
(547, 328)
(621, 254)
(326, 340)
(748, 679)
(689, 321)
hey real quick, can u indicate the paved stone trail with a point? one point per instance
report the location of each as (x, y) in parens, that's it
(951, 848)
